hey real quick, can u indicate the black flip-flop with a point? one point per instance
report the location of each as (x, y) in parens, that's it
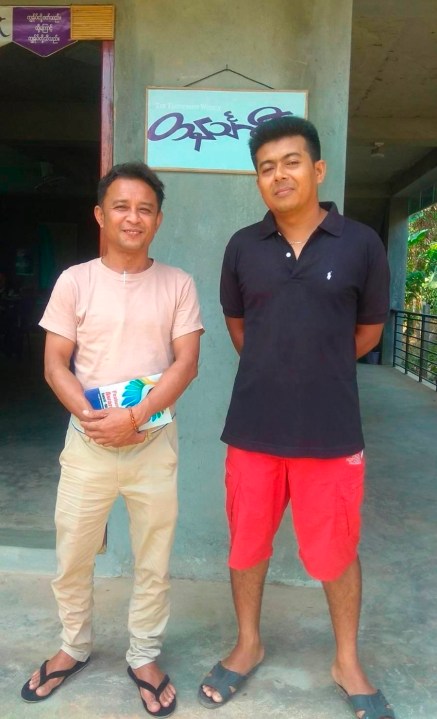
(30, 695)
(164, 711)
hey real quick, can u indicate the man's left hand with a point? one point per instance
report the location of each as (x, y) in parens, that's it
(111, 427)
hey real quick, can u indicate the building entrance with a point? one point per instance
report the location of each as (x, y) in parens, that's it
(50, 162)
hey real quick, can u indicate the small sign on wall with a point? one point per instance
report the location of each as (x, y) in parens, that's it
(208, 130)
(46, 30)
(43, 30)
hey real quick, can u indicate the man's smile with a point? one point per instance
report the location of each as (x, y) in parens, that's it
(283, 190)
(132, 233)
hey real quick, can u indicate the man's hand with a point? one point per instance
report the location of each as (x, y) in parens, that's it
(110, 427)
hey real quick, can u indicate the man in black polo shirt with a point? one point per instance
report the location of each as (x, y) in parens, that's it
(304, 293)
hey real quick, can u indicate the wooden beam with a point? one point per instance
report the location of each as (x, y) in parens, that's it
(107, 113)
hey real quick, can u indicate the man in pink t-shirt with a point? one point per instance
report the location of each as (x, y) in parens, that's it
(116, 318)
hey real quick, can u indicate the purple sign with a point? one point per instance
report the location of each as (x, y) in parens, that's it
(43, 30)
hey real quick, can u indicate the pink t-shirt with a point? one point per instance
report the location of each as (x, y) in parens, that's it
(122, 325)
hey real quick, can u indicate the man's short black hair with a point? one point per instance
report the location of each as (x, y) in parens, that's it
(131, 171)
(286, 126)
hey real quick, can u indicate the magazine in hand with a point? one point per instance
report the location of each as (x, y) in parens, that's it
(128, 394)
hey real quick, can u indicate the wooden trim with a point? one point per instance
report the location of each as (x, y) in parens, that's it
(92, 22)
(106, 147)
(107, 113)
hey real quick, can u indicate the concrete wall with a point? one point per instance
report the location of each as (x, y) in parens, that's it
(288, 45)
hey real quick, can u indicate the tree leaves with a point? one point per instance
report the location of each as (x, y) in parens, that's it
(421, 280)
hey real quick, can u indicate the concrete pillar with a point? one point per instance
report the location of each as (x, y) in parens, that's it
(397, 248)
(303, 45)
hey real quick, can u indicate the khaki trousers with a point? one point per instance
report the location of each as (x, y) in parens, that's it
(92, 477)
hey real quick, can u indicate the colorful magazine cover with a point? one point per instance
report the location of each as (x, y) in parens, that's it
(128, 394)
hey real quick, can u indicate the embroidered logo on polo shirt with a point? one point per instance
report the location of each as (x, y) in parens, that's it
(329, 275)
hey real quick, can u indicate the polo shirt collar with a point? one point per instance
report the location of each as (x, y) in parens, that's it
(333, 222)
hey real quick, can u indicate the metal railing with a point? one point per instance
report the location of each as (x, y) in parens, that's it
(415, 345)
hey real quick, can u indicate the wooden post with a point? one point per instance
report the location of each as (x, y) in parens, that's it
(107, 113)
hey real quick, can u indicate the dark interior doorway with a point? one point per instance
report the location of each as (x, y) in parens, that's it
(50, 151)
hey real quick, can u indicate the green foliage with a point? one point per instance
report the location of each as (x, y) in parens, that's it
(421, 282)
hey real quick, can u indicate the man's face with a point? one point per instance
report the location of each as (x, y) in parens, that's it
(129, 216)
(287, 177)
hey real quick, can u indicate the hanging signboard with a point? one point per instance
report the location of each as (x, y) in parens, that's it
(5, 25)
(208, 130)
(46, 30)
(43, 30)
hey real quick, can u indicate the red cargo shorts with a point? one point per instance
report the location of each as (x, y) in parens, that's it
(325, 497)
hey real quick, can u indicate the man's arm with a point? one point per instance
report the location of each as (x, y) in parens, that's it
(115, 429)
(175, 379)
(366, 338)
(235, 327)
(67, 388)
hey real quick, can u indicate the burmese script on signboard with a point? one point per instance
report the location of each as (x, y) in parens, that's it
(208, 130)
(42, 30)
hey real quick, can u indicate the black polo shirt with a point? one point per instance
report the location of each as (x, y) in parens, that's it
(295, 393)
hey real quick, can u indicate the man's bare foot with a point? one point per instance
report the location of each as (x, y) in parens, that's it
(152, 674)
(353, 680)
(242, 660)
(59, 662)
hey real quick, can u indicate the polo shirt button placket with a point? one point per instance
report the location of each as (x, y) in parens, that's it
(287, 254)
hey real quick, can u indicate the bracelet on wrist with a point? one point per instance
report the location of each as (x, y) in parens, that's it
(133, 422)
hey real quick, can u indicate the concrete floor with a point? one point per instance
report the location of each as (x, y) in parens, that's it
(398, 635)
